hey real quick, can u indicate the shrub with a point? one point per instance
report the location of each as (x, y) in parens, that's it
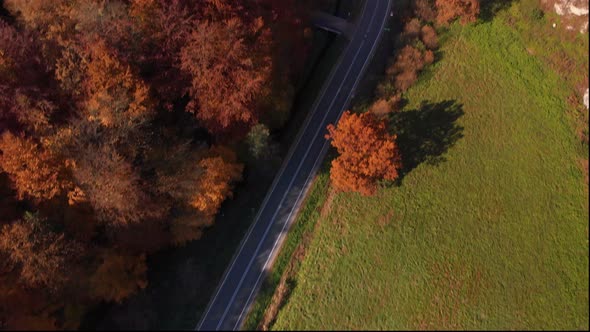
(429, 57)
(537, 13)
(405, 69)
(429, 37)
(412, 29)
(381, 108)
(424, 9)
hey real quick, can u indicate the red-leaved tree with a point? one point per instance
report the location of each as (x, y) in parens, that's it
(367, 153)
(226, 75)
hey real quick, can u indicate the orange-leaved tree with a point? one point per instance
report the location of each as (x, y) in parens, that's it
(35, 172)
(227, 74)
(118, 276)
(40, 255)
(113, 186)
(220, 171)
(368, 153)
(116, 97)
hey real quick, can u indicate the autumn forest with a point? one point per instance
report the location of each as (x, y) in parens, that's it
(119, 124)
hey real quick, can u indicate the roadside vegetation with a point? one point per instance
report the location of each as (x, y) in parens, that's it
(487, 224)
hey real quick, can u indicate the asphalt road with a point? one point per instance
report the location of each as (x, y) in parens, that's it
(241, 281)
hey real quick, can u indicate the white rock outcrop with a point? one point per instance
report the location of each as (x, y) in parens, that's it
(571, 7)
(574, 12)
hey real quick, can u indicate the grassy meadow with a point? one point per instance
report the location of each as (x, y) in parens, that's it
(487, 229)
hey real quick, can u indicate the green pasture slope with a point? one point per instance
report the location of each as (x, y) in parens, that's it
(489, 227)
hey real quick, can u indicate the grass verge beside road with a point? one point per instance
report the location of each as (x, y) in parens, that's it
(299, 236)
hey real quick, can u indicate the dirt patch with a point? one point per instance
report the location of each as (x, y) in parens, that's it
(563, 64)
(327, 207)
(281, 293)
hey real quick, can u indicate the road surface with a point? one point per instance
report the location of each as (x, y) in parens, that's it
(241, 281)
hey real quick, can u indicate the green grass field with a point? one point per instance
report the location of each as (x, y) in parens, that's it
(487, 230)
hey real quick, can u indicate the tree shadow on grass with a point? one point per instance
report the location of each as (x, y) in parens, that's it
(489, 8)
(425, 134)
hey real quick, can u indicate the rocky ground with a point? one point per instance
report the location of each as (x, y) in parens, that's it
(573, 17)
(574, 13)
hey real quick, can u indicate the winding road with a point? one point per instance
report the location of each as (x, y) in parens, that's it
(241, 281)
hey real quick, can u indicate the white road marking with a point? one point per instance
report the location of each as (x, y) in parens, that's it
(293, 148)
(275, 181)
(231, 301)
(280, 237)
(309, 177)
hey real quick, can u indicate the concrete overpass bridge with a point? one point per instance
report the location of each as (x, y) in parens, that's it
(332, 23)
